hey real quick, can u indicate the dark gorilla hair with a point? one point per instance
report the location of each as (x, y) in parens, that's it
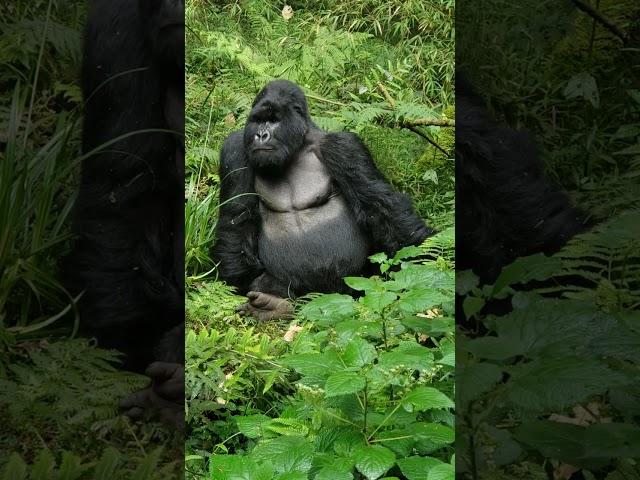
(507, 206)
(128, 219)
(279, 112)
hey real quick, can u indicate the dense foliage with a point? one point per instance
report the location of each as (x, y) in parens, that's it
(350, 388)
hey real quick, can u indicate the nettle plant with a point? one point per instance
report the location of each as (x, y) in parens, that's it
(374, 382)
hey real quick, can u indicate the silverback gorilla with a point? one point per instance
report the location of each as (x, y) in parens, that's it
(128, 256)
(301, 208)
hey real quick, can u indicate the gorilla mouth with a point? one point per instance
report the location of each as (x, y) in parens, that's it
(263, 149)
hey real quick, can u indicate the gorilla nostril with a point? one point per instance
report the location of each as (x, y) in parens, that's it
(263, 136)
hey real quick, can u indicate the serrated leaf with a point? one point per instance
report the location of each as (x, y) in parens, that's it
(315, 364)
(442, 472)
(409, 355)
(472, 305)
(344, 383)
(330, 473)
(286, 454)
(329, 309)
(377, 301)
(374, 461)
(526, 269)
(420, 299)
(359, 353)
(252, 426)
(427, 398)
(417, 468)
(362, 284)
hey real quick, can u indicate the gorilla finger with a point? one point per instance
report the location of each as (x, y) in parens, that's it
(243, 309)
(262, 300)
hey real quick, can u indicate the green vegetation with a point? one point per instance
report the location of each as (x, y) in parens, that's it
(349, 389)
(551, 390)
(58, 395)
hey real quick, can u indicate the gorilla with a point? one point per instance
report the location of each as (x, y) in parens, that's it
(507, 207)
(301, 208)
(127, 259)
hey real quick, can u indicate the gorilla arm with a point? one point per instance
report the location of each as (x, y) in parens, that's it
(237, 229)
(385, 215)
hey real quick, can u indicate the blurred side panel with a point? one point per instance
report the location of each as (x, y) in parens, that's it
(547, 228)
(91, 239)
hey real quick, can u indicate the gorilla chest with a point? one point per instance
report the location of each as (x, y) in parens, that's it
(305, 185)
(305, 221)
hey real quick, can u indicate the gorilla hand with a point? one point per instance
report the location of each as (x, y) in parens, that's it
(163, 399)
(265, 307)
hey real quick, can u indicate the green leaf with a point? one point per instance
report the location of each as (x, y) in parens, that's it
(526, 269)
(580, 445)
(420, 276)
(107, 465)
(472, 305)
(427, 398)
(313, 364)
(417, 468)
(433, 436)
(409, 355)
(330, 473)
(286, 454)
(583, 85)
(359, 353)
(236, 467)
(252, 426)
(377, 301)
(329, 309)
(420, 299)
(379, 258)
(406, 252)
(442, 472)
(553, 384)
(292, 476)
(476, 379)
(362, 284)
(431, 326)
(466, 281)
(374, 461)
(344, 383)
(15, 469)
(493, 348)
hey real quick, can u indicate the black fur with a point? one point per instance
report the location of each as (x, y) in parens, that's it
(128, 256)
(506, 206)
(384, 217)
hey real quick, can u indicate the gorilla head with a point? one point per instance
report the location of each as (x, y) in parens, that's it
(277, 125)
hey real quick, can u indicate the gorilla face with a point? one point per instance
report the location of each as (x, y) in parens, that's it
(277, 125)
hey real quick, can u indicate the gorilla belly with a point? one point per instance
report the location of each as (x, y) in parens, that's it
(308, 237)
(312, 249)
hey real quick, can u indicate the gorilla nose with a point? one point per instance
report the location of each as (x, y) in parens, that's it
(263, 136)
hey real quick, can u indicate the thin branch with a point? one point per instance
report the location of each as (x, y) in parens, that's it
(386, 95)
(431, 122)
(426, 137)
(602, 20)
(412, 124)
